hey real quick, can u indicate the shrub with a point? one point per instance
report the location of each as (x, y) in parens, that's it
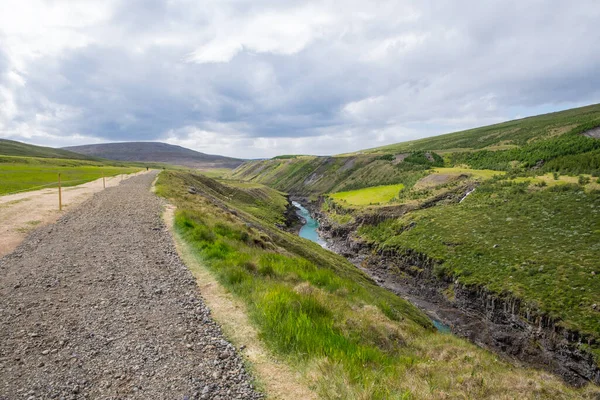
(583, 180)
(386, 157)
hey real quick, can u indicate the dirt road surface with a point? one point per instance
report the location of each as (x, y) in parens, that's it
(99, 306)
(23, 212)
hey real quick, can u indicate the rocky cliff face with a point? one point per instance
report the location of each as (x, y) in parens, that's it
(499, 322)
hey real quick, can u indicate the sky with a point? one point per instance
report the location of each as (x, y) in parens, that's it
(260, 78)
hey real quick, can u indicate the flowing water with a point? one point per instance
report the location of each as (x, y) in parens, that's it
(309, 229)
(443, 328)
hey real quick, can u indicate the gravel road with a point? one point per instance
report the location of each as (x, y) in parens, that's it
(99, 306)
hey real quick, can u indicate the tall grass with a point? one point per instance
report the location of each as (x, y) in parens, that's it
(349, 337)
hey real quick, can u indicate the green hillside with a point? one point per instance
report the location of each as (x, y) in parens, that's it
(528, 229)
(14, 148)
(347, 337)
(552, 142)
(504, 135)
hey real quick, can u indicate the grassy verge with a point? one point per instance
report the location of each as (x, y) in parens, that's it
(540, 245)
(350, 338)
(28, 173)
(271, 375)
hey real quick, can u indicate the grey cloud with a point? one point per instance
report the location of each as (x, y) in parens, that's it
(452, 65)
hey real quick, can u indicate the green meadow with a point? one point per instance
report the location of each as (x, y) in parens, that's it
(29, 173)
(367, 196)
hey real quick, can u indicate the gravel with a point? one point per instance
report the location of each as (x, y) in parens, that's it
(99, 306)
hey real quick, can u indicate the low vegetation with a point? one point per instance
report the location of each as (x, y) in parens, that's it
(537, 244)
(571, 153)
(368, 196)
(529, 230)
(350, 338)
(542, 144)
(516, 133)
(30, 173)
(477, 174)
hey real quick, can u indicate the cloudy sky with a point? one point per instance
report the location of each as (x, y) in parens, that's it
(260, 78)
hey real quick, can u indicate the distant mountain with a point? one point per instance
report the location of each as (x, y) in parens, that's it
(156, 152)
(14, 148)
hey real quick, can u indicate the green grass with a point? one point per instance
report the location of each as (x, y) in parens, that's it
(367, 196)
(28, 173)
(548, 180)
(479, 174)
(216, 172)
(571, 152)
(350, 338)
(519, 132)
(541, 246)
(317, 175)
(552, 142)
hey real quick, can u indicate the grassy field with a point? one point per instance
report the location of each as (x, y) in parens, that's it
(29, 173)
(216, 172)
(367, 196)
(529, 230)
(541, 246)
(349, 338)
(550, 180)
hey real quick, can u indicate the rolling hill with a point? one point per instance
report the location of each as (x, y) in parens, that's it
(14, 148)
(156, 152)
(499, 221)
(551, 142)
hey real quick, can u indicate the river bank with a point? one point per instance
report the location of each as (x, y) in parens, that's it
(311, 230)
(505, 326)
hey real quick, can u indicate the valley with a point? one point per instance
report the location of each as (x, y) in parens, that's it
(327, 320)
(498, 240)
(244, 200)
(422, 270)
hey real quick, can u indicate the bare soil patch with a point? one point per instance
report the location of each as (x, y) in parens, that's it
(593, 133)
(433, 180)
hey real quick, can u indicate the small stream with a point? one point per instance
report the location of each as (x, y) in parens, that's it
(310, 231)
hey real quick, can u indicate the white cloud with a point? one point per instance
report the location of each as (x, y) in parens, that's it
(37, 28)
(280, 32)
(396, 45)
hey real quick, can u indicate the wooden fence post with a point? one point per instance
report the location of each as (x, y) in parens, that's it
(59, 194)
(103, 181)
